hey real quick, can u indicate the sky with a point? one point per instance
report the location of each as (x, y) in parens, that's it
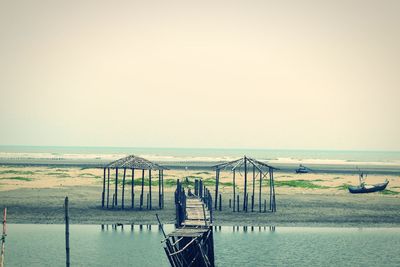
(229, 74)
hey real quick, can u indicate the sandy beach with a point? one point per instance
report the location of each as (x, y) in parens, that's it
(35, 195)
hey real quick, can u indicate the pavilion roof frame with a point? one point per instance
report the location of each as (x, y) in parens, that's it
(134, 162)
(235, 164)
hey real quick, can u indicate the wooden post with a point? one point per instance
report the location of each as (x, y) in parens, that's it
(196, 187)
(116, 187)
(133, 189)
(216, 187)
(104, 189)
(273, 191)
(254, 184)
(66, 231)
(141, 194)
(159, 189)
(3, 238)
(162, 188)
(123, 189)
(230, 203)
(237, 202)
(265, 205)
(201, 188)
(247, 201)
(220, 202)
(150, 189)
(147, 201)
(259, 193)
(245, 183)
(108, 186)
(270, 190)
(234, 190)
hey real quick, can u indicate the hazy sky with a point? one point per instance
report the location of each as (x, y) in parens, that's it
(267, 74)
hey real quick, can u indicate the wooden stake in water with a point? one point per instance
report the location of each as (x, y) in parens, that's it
(66, 231)
(3, 238)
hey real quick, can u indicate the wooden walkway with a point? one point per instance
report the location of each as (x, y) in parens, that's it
(191, 244)
(197, 214)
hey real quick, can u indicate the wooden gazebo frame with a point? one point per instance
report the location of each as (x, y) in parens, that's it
(260, 170)
(132, 163)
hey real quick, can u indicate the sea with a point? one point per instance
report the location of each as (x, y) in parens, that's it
(44, 245)
(319, 160)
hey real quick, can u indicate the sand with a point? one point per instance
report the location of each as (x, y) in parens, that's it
(36, 195)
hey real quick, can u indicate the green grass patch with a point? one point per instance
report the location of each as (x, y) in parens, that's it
(18, 178)
(343, 187)
(17, 172)
(300, 184)
(389, 192)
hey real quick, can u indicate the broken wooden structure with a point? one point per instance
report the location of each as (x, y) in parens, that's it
(260, 171)
(135, 165)
(191, 244)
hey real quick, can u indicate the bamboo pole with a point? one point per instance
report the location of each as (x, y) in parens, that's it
(234, 190)
(123, 189)
(104, 189)
(150, 189)
(133, 189)
(270, 190)
(116, 187)
(216, 188)
(141, 194)
(162, 181)
(3, 238)
(66, 231)
(159, 189)
(254, 183)
(259, 193)
(245, 183)
(108, 186)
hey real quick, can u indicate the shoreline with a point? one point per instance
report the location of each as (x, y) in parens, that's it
(208, 165)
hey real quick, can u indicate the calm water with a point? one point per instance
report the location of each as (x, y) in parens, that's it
(43, 245)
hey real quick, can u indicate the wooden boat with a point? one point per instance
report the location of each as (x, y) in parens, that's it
(368, 188)
(302, 169)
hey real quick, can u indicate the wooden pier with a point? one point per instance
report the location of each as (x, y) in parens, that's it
(191, 244)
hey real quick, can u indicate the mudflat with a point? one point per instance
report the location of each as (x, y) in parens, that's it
(36, 195)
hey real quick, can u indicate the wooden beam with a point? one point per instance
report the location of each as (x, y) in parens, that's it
(159, 189)
(104, 188)
(245, 183)
(116, 187)
(66, 231)
(142, 191)
(108, 186)
(162, 189)
(216, 187)
(150, 189)
(234, 190)
(259, 193)
(123, 189)
(254, 184)
(133, 189)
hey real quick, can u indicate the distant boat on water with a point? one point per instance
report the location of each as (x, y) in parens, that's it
(302, 169)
